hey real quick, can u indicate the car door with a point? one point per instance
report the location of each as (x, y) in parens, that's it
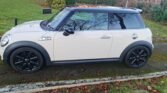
(126, 29)
(91, 38)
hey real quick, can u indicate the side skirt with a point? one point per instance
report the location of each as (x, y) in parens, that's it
(85, 61)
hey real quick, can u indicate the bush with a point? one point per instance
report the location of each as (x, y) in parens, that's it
(57, 4)
(159, 14)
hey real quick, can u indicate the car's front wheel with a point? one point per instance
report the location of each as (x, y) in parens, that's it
(26, 60)
(137, 57)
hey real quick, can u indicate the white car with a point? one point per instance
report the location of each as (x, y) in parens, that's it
(78, 35)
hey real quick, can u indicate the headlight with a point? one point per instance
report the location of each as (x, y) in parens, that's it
(5, 40)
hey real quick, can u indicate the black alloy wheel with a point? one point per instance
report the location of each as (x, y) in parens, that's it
(26, 60)
(137, 57)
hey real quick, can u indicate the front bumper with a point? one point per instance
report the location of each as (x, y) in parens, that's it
(1, 51)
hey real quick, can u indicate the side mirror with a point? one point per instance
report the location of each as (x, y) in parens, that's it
(68, 32)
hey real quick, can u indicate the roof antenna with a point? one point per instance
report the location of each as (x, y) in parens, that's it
(127, 3)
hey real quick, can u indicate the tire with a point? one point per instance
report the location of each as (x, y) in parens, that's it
(137, 57)
(26, 60)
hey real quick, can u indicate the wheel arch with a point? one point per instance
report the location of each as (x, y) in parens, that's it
(30, 44)
(138, 43)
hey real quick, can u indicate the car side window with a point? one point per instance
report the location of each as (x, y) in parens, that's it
(114, 22)
(132, 21)
(87, 21)
(124, 21)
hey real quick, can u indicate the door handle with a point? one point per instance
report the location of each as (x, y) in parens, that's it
(134, 36)
(105, 37)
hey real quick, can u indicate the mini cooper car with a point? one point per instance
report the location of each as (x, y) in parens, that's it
(79, 35)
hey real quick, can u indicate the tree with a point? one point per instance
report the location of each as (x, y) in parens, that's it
(164, 4)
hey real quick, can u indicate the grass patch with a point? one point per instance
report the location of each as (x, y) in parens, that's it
(160, 53)
(154, 85)
(24, 10)
(158, 57)
(159, 30)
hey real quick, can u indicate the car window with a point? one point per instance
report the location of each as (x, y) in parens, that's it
(125, 21)
(87, 21)
(132, 21)
(55, 20)
(114, 22)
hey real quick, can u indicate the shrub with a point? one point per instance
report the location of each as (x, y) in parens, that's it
(57, 4)
(158, 14)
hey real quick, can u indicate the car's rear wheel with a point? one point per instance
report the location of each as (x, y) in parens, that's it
(137, 57)
(26, 60)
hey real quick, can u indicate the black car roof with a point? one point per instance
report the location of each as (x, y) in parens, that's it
(105, 9)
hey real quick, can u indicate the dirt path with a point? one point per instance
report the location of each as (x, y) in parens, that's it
(158, 62)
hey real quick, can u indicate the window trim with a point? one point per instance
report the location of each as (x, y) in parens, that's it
(62, 23)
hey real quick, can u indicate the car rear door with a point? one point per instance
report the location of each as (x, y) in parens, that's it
(126, 29)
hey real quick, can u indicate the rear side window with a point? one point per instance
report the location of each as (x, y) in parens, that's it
(125, 21)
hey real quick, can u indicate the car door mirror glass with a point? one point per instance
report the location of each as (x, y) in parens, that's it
(69, 28)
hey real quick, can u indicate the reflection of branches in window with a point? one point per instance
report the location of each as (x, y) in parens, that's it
(113, 19)
(97, 24)
(98, 21)
(121, 21)
(83, 24)
(71, 25)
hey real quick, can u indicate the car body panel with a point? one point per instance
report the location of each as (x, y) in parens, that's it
(123, 38)
(82, 45)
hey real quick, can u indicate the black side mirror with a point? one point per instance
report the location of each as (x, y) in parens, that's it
(68, 32)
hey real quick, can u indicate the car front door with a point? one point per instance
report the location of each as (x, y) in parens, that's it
(91, 38)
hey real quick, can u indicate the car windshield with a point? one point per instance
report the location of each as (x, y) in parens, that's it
(53, 22)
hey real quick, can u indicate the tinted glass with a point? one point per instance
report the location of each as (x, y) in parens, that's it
(114, 22)
(125, 21)
(133, 21)
(87, 21)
